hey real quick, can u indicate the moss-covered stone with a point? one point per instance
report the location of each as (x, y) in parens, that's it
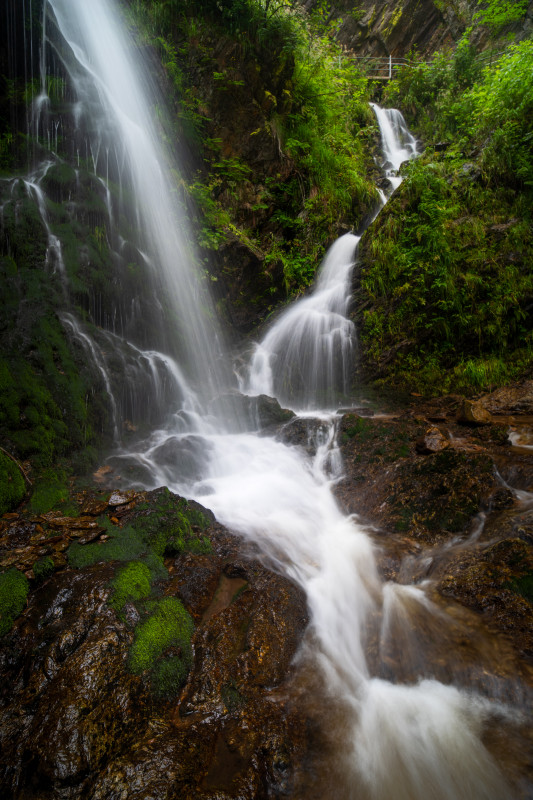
(43, 568)
(132, 583)
(12, 487)
(14, 589)
(174, 526)
(169, 626)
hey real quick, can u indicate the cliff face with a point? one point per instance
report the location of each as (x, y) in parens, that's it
(383, 28)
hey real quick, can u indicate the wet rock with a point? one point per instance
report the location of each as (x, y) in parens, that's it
(305, 432)
(75, 723)
(93, 507)
(502, 498)
(120, 498)
(514, 399)
(433, 441)
(182, 457)
(269, 412)
(472, 412)
(255, 413)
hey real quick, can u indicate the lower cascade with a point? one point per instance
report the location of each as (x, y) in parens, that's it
(401, 739)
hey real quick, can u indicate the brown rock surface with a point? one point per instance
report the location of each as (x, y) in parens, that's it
(75, 723)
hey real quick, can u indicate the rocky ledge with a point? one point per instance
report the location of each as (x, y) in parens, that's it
(150, 657)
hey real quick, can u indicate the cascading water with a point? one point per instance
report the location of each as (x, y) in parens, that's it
(397, 142)
(306, 359)
(414, 740)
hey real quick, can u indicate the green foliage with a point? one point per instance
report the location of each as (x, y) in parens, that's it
(443, 285)
(12, 486)
(168, 626)
(447, 278)
(14, 588)
(498, 13)
(524, 586)
(132, 583)
(314, 104)
(124, 544)
(169, 675)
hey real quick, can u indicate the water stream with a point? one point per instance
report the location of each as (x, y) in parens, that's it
(406, 738)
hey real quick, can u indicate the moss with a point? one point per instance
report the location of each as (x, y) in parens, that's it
(124, 544)
(43, 568)
(168, 626)
(50, 491)
(232, 697)
(169, 675)
(14, 588)
(132, 583)
(12, 487)
(174, 526)
(524, 586)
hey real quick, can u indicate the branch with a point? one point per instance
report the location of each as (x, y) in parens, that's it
(21, 468)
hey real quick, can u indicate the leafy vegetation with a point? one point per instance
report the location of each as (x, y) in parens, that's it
(306, 103)
(446, 279)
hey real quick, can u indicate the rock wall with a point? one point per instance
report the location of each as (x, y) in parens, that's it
(385, 28)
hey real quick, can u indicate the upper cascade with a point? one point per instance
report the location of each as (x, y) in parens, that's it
(397, 142)
(307, 357)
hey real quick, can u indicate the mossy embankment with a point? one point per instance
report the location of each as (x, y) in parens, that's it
(445, 292)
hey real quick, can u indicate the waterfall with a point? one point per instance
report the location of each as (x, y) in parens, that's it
(402, 741)
(306, 360)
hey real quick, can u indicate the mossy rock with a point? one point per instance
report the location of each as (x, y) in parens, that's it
(162, 645)
(14, 588)
(12, 487)
(132, 583)
(43, 568)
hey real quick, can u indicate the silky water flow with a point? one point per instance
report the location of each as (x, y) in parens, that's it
(410, 739)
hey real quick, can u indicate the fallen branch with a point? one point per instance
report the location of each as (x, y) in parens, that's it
(21, 468)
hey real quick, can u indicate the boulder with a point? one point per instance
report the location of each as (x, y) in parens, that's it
(473, 412)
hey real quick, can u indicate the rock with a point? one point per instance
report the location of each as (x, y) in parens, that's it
(433, 441)
(74, 722)
(303, 432)
(120, 498)
(472, 412)
(73, 523)
(269, 412)
(93, 507)
(514, 399)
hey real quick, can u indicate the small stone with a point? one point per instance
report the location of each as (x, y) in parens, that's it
(90, 537)
(120, 498)
(472, 412)
(433, 441)
(73, 523)
(93, 507)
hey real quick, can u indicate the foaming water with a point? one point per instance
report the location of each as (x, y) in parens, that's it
(306, 359)
(397, 142)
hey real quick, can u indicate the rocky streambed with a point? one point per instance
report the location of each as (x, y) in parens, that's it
(149, 653)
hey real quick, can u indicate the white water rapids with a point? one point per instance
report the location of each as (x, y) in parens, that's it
(421, 741)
